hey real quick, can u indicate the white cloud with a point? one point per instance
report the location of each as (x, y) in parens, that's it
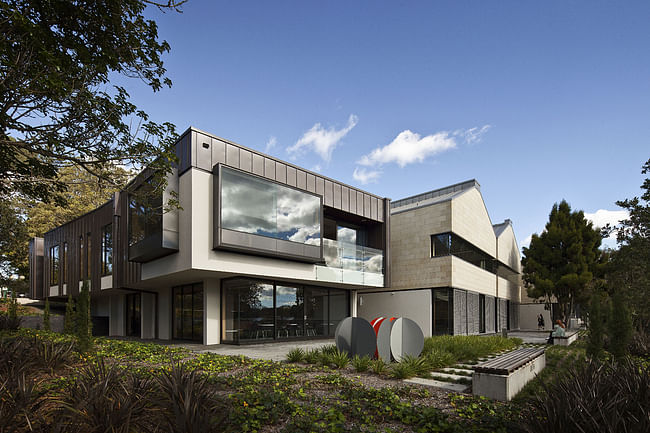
(321, 140)
(270, 145)
(409, 147)
(365, 176)
(602, 217)
(317, 168)
(526, 242)
(474, 135)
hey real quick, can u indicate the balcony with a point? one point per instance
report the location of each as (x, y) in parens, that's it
(352, 264)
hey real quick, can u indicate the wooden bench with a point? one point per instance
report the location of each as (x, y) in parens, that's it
(566, 340)
(501, 378)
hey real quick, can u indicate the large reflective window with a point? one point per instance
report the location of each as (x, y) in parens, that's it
(338, 308)
(441, 312)
(145, 212)
(316, 311)
(188, 312)
(256, 311)
(253, 205)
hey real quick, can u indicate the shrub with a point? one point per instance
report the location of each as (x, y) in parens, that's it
(360, 363)
(50, 354)
(329, 349)
(437, 358)
(295, 355)
(593, 397)
(19, 403)
(378, 366)
(188, 401)
(103, 398)
(596, 327)
(400, 370)
(68, 319)
(620, 326)
(10, 321)
(325, 359)
(340, 359)
(83, 323)
(640, 344)
(312, 356)
(418, 365)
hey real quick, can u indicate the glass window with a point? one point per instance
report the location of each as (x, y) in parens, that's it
(445, 244)
(145, 212)
(81, 256)
(88, 254)
(107, 249)
(253, 205)
(441, 312)
(54, 265)
(316, 312)
(339, 308)
(289, 304)
(188, 312)
(64, 263)
(256, 318)
(133, 315)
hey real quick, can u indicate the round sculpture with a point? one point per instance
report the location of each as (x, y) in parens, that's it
(383, 339)
(355, 336)
(406, 338)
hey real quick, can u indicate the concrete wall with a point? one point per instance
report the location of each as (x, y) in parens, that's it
(148, 315)
(36, 322)
(412, 304)
(470, 220)
(117, 320)
(528, 317)
(470, 277)
(212, 311)
(165, 313)
(508, 251)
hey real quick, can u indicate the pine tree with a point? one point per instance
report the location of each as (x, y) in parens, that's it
(69, 318)
(83, 323)
(620, 326)
(596, 327)
(46, 315)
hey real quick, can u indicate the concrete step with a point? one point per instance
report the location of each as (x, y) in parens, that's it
(456, 387)
(452, 370)
(450, 376)
(466, 366)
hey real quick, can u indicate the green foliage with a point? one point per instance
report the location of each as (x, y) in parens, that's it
(20, 400)
(61, 99)
(312, 356)
(295, 355)
(339, 359)
(400, 370)
(83, 325)
(69, 318)
(593, 397)
(595, 339)
(360, 363)
(620, 326)
(446, 350)
(378, 366)
(418, 365)
(46, 315)
(561, 262)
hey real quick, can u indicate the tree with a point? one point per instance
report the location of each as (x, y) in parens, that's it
(46, 315)
(83, 323)
(630, 270)
(619, 326)
(69, 318)
(596, 326)
(23, 218)
(560, 263)
(57, 108)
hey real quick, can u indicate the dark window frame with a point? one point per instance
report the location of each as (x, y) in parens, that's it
(451, 244)
(54, 265)
(194, 288)
(107, 249)
(145, 210)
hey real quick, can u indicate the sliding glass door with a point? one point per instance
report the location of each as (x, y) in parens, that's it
(188, 312)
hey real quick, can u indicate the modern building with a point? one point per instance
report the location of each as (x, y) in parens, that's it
(452, 270)
(262, 250)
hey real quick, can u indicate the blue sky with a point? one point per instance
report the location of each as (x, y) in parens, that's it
(538, 101)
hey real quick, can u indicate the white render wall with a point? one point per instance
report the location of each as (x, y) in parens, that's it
(117, 320)
(165, 313)
(412, 304)
(148, 315)
(508, 250)
(212, 311)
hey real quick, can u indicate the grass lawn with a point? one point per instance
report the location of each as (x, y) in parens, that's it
(133, 386)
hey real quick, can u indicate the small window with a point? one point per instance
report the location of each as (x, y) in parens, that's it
(88, 254)
(107, 249)
(81, 256)
(54, 265)
(64, 264)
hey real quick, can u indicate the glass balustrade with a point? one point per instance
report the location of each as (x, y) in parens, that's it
(345, 255)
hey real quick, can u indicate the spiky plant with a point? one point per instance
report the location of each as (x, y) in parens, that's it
(360, 363)
(378, 366)
(400, 370)
(69, 318)
(295, 355)
(418, 365)
(312, 356)
(340, 359)
(20, 401)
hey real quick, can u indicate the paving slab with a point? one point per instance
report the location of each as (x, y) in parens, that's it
(452, 370)
(271, 351)
(456, 387)
(450, 376)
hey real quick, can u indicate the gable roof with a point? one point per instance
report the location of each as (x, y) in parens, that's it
(433, 197)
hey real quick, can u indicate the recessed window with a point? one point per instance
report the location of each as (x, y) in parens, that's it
(64, 264)
(88, 254)
(445, 244)
(145, 212)
(54, 265)
(107, 249)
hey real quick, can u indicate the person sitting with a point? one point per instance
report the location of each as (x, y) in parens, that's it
(559, 331)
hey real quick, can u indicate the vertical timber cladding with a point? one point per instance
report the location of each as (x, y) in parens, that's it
(460, 312)
(489, 314)
(472, 313)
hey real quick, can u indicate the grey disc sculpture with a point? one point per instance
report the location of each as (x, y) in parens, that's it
(406, 338)
(383, 339)
(355, 336)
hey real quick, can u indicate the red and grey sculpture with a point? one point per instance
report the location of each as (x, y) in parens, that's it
(381, 338)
